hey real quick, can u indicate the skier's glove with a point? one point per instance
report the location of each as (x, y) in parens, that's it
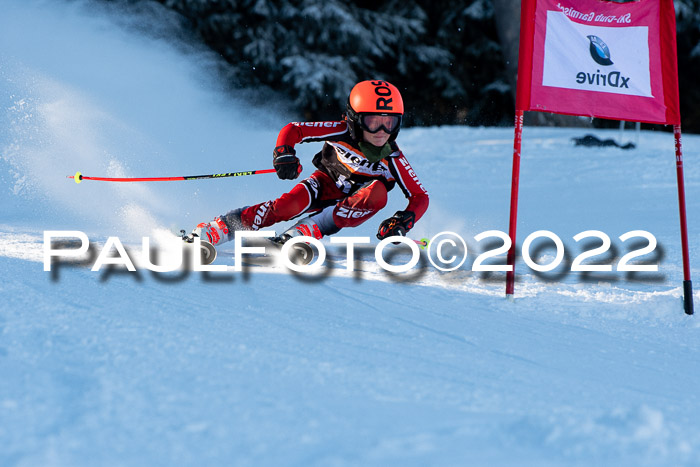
(398, 224)
(286, 162)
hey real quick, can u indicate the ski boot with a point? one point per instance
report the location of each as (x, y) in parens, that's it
(210, 234)
(220, 230)
(305, 227)
(316, 226)
(214, 233)
(303, 253)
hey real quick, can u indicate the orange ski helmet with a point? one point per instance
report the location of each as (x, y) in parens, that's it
(374, 97)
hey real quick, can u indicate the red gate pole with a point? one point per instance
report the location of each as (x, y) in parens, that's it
(515, 183)
(687, 284)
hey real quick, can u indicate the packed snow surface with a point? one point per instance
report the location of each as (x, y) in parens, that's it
(268, 367)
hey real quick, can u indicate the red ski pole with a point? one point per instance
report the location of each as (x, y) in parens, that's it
(79, 177)
(423, 242)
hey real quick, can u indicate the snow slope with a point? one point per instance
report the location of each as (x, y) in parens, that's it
(266, 367)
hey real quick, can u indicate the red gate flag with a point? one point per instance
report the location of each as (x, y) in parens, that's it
(599, 59)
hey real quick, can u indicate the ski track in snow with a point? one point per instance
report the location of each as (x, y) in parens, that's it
(267, 367)
(30, 247)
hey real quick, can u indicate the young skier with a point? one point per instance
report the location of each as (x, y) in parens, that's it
(358, 165)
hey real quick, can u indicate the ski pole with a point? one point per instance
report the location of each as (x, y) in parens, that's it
(79, 177)
(423, 242)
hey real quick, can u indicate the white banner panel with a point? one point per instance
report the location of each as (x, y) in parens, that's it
(596, 58)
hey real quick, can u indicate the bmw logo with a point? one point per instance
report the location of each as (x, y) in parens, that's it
(599, 51)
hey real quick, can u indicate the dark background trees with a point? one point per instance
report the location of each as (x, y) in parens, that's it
(455, 61)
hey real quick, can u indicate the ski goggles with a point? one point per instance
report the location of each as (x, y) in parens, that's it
(372, 123)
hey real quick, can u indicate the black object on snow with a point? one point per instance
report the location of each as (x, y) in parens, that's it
(590, 140)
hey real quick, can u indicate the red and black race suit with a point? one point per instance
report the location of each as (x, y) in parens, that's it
(342, 160)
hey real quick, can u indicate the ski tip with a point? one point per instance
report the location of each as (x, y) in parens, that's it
(78, 177)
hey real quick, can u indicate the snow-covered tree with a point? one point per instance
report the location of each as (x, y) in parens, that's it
(450, 61)
(315, 50)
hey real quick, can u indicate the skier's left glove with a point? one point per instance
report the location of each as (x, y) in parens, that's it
(398, 224)
(286, 162)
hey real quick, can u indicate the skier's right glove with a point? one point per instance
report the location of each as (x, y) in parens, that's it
(286, 162)
(398, 224)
